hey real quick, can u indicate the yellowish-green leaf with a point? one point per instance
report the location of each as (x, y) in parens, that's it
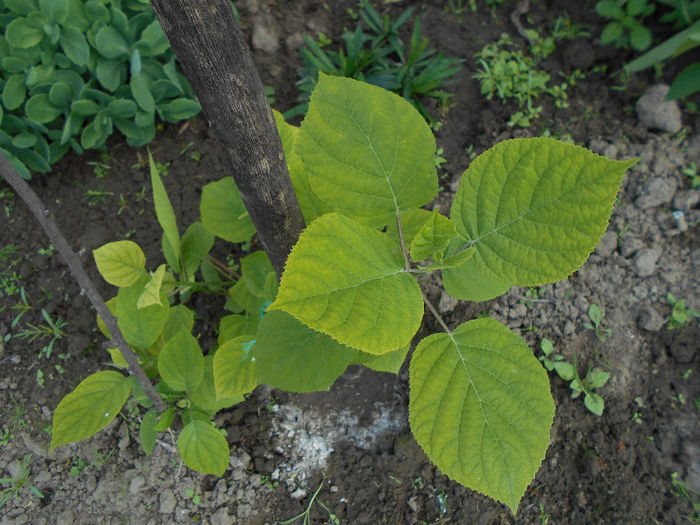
(140, 326)
(120, 263)
(164, 210)
(112, 307)
(390, 362)
(366, 151)
(90, 407)
(117, 358)
(234, 368)
(181, 363)
(152, 291)
(203, 448)
(223, 213)
(347, 281)
(481, 408)
(433, 238)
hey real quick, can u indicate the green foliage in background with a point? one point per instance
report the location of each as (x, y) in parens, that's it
(527, 212)
(72, 72)
(625, 28)
(381, 58)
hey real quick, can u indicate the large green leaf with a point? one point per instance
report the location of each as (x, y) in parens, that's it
(204, 396)
(179, 318)
(366, 150)
(90, 407)
(164, 210)
(181, 363)
(74, 45)
(140, 326)
(19, 33)
(223, 213)
(535, 208)
(110, 43)
(196, 243)
(120, 263)
(291, 356)
(203, 448)
(234, 368)
(346, 280)
(481, 408)
(255, 269)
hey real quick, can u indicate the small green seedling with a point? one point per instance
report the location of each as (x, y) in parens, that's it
(191, 494)
(625, 28)
(18, 483)
(52, 329)
(681, 315)
(692, 172)
(596, 317)
(595, 377)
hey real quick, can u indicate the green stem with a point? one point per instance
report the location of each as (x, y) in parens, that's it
(406, 258)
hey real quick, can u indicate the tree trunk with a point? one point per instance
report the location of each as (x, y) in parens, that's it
(213, 54)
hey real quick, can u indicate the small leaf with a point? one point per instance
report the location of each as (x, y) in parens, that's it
(14, 92)
(565, 370)
(152, 291)
(60, 95)
(40, 110)
(196, 243)
(232, 326)
(148, 432)
(164, 210)
(546, 346)
(535, 208)
(291, 356)
(223, 213)
(347, 281)
(112, 307)
(142, 93)
(481, 408)
(110, 73)
(203, 448)
(597, 378)
(234, 370)
(179, 318)
(90, 407)
(181, 363)
(366, 150)
(21, 35)
(74, 45)
(140, 326)
(456, 260)
(255, 268)
(594, 403)
(120, 263)
(594, 314)
(390, 362)
(110, 43)
(433, 238)
(205, 394)
(686, 83)
(117, 358)
(165, 419)
(179, 109)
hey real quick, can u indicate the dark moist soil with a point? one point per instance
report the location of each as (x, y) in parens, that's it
(353, 441)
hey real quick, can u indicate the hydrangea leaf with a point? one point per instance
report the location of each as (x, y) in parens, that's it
(366, 150)
(234, 368)
(90, 407)
(181, 362)
(291, 356)
(433, 238)
(120, 263)
(223, 212)
(203, 448)
(481, 408)
(347, 281)
(535, 208)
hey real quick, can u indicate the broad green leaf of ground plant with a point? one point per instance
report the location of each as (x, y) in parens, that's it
(234, 368)
(204, 396)
(433, 238)
(196, 243)
(179, 318)
(255, 269)
(151, 292)
(90, 407)
(347, 281)
(481, 408)
(140, 326)
(467, 283)
(223, 213)
(120, 263)
(534, 209)
(181, 362)
(311, 206)
(164, 210)
(203, 448)
(235, 325)
(291, 356)
(366, 150)
(147, 431)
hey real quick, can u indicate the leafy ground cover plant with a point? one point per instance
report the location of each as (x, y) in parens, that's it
(71, 72)
(381, 58)
(504, 71)
(681, 315)
(595, 315)
(595, 377)
(626, 28)
(528, 212)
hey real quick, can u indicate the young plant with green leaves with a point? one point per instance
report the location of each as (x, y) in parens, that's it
(528, 212)
(681, 315)
(594, 378)
(626, 28)
(71, 72)
(595, 314)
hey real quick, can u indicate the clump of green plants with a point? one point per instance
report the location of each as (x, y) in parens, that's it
(595, 315)
(692, 172)
(381, 58)
(351, 289)
(594, 378)
(72, 72)
(681, 315)
(17, 485)
(625, 28)
(504, 71)
(686, 493)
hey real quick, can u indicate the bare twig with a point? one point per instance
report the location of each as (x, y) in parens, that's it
(43, 216)
(522, 8)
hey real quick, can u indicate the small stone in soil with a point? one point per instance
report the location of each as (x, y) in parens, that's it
(650, 320)
(644, 263)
